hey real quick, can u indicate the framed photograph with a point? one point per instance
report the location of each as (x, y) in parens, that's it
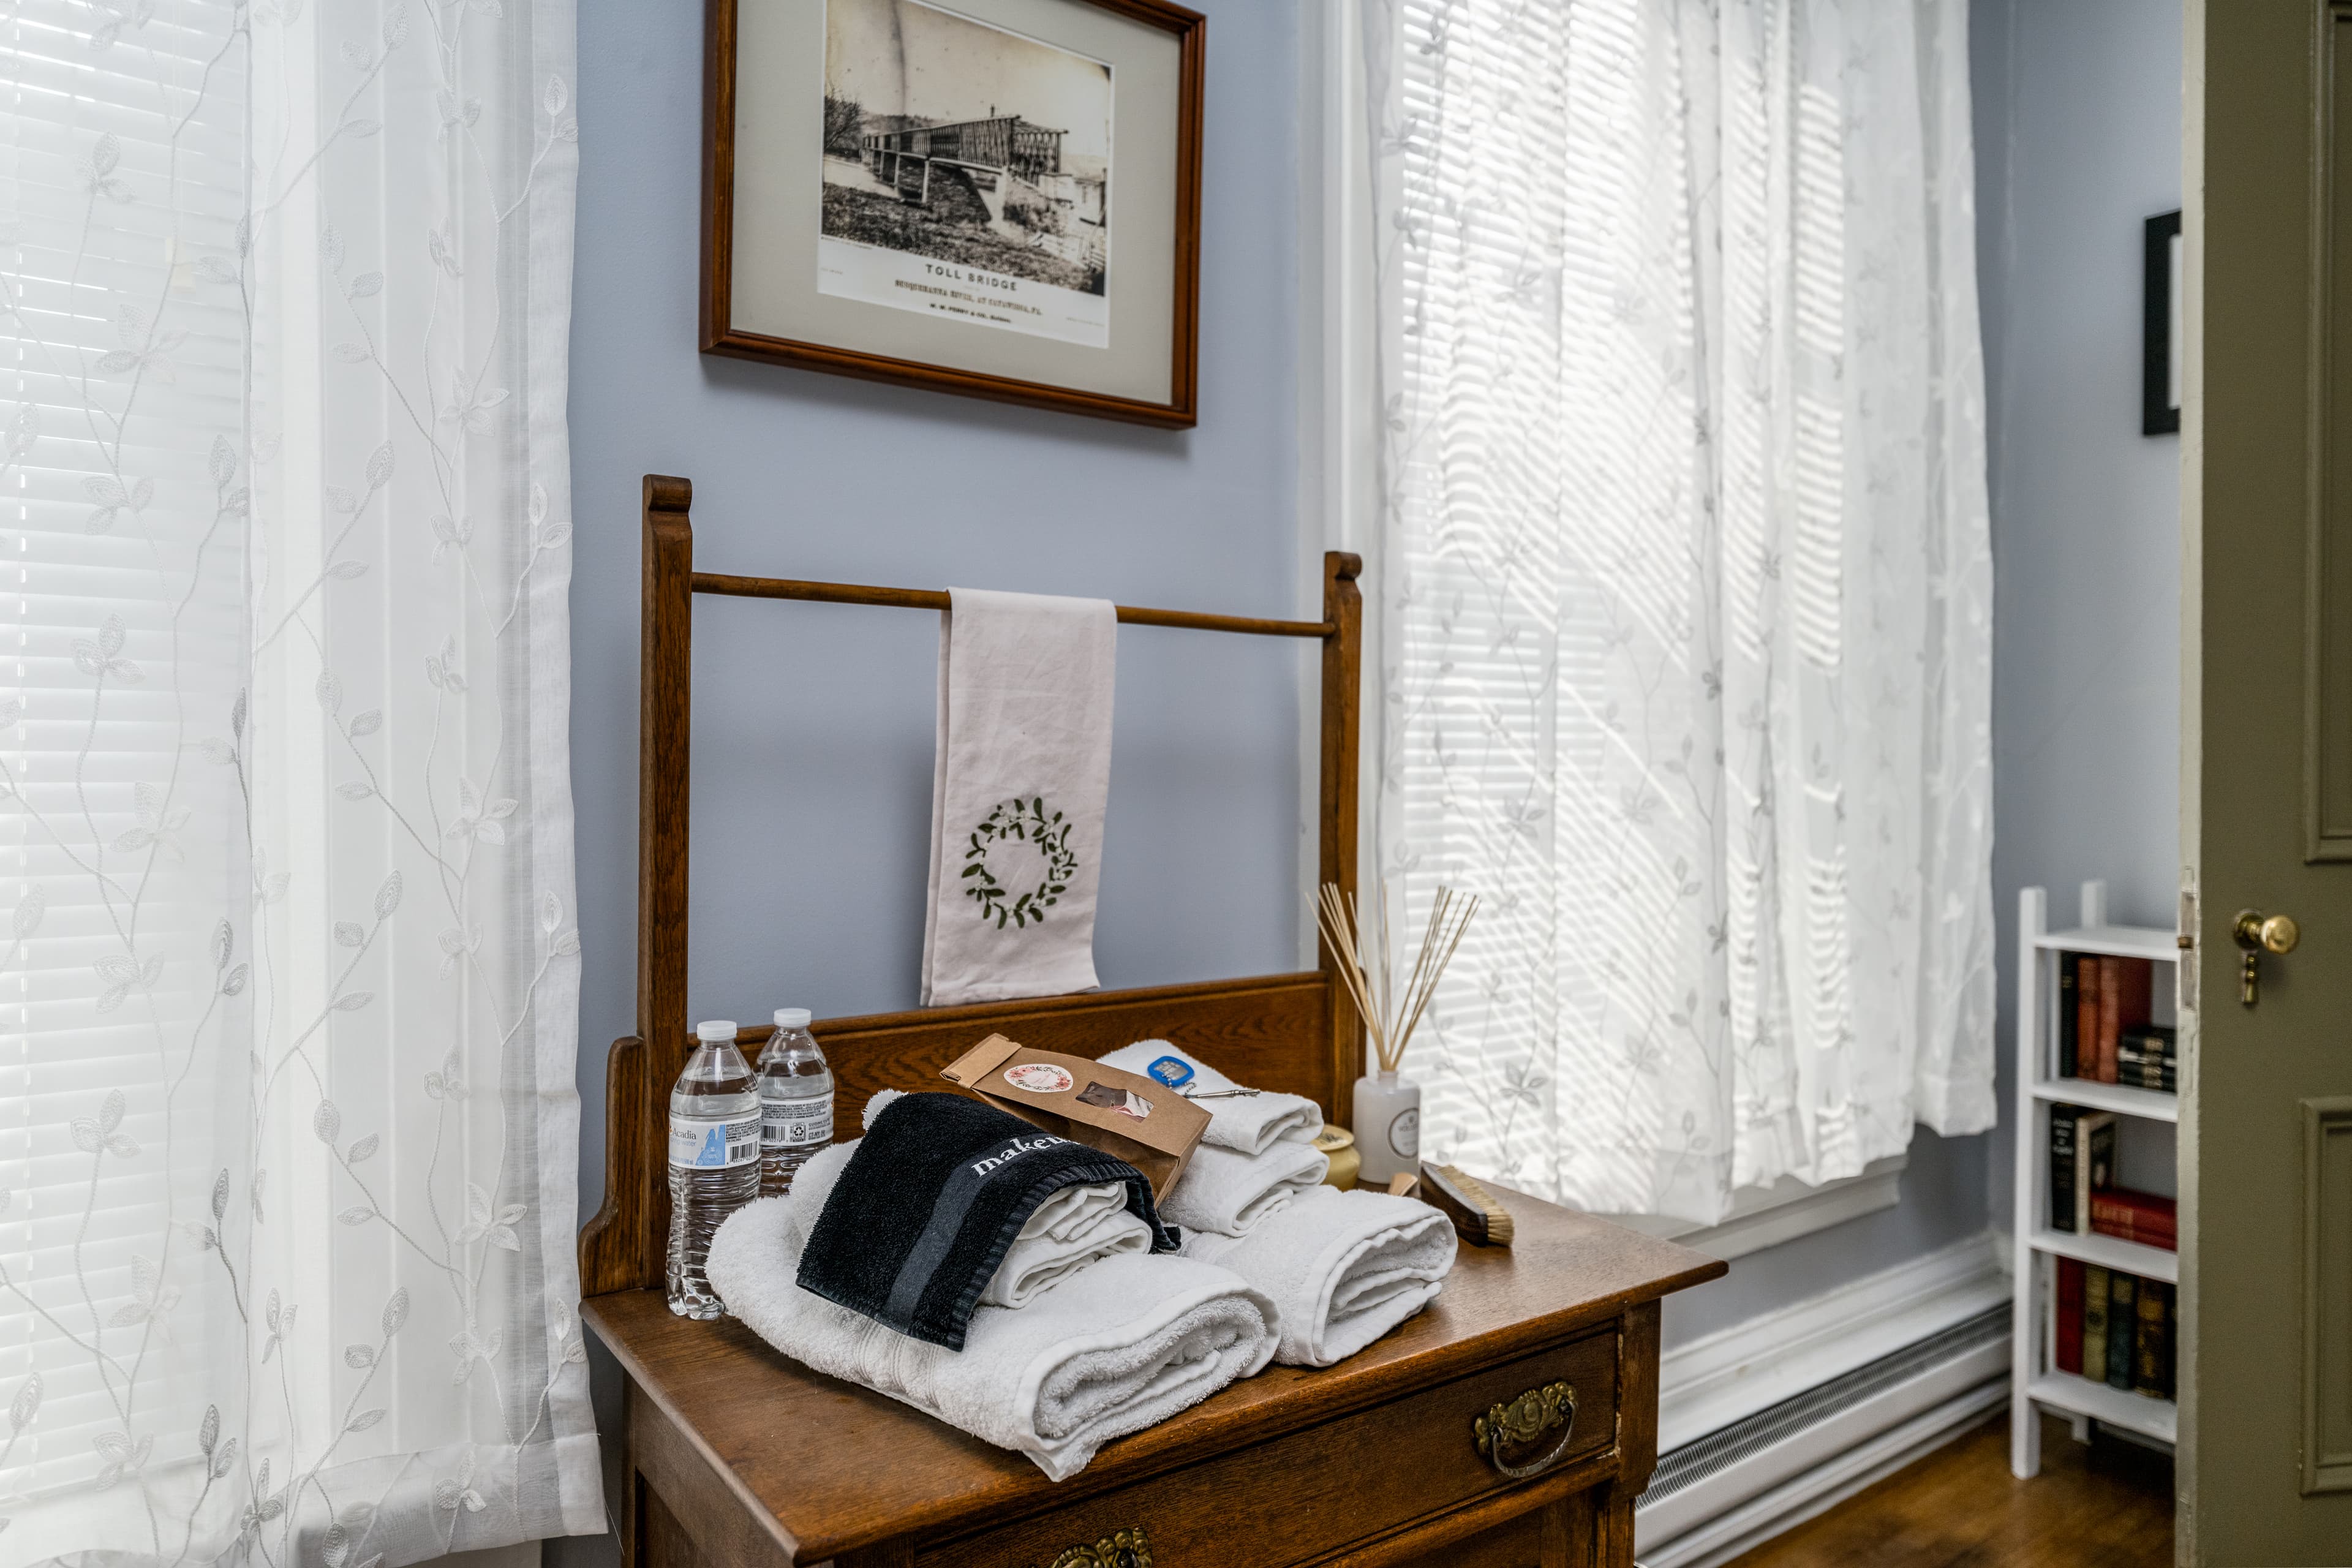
(1000, 198)
(2159, 372)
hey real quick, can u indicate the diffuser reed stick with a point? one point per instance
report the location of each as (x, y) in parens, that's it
(1390, 1013)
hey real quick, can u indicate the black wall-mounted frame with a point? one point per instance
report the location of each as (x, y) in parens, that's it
(2159, 410)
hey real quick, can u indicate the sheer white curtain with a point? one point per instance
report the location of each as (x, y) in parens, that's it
(1686, 660)
(288, 1009)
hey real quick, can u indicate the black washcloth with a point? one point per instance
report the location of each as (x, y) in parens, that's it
(939, 1187)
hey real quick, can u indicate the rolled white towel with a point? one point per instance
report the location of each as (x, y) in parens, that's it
(1343, 1267)
(1230, 1193)
(1246, 1123)
(1114, 1348)
(1072, 1229)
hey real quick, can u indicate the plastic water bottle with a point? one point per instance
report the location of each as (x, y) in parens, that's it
(796, 1101)
(714, 1161)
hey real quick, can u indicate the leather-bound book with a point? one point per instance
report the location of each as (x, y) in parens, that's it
(2070, 1000)
(2061, 1166)
(2125, 988)
(2069, 1329)
(2123, 1310)
(2095, 1322)
(2090, 984)
(2152, 1341)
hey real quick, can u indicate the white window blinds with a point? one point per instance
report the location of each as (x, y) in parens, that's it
(121, 186)
(287, 1010)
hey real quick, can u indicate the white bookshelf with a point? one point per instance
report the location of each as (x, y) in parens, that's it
(2035, 1383)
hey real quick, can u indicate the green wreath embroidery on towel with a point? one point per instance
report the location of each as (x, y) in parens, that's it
(1025, 821)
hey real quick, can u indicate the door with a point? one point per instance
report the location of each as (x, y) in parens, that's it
(2265, 1328)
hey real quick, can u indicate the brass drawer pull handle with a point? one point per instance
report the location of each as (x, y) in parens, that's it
(1120, 1549)
(1524, 1420)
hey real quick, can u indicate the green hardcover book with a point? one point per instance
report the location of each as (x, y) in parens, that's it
(2152, 1341)
(2123, 1314)
(2094, 1323)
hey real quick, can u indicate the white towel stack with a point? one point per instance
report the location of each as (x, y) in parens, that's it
(1082, 1335)
(1342, 1269)
(1113, 1348)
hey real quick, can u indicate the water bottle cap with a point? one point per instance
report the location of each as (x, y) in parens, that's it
(792, 1017)
(715, 1030)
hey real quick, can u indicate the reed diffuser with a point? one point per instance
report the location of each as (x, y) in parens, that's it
(1388, 1105)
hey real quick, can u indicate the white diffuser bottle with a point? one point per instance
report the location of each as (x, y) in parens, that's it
(1388, 1126)
(1388, 1104)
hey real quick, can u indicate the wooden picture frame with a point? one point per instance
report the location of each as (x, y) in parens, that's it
(779, 270)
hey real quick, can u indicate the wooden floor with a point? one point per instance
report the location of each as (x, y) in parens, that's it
(2107, 1505)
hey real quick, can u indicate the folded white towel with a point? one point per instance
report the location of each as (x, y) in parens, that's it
(1343, 1267)
(1247, 1124)
(1229, 1194)
(1114, 1348)
(1070, 1230)
(1018, 788)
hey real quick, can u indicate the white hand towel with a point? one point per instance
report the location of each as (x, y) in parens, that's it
(1114, 1348)
(1229, 1194)
(1343, 1267)
(1249, 1123)
(1074, 1229)
(1021, 776)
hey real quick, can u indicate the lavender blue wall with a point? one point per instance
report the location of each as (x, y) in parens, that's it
(813, 738)
(2078, 143)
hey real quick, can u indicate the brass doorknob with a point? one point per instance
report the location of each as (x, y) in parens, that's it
(2278, 933)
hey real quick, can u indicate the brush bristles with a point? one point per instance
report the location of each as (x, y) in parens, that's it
(1390, 1016)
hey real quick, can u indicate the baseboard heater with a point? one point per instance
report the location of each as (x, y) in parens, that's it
(1711, 1500)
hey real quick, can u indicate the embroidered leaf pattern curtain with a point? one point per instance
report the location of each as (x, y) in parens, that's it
(287, 1123)
(1687, 643)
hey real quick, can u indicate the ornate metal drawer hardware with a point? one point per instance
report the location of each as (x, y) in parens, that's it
(1522, 1422)
(1120, 1549)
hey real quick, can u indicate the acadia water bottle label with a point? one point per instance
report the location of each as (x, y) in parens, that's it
(796, 1124)
(713, 1145)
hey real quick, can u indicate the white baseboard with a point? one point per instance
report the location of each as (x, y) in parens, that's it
(1750, 1524)
(1712, 1383)
(1708, 1384)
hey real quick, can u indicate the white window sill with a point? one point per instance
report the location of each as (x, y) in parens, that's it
(1767, 1216)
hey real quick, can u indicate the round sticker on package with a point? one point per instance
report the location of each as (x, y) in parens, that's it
(1039, 1078)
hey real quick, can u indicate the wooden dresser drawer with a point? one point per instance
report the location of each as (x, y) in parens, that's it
(1307, 1493)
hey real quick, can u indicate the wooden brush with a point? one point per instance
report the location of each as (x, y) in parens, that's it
(1475, 1213)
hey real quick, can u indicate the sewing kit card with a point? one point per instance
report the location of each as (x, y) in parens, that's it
(1146, 1123)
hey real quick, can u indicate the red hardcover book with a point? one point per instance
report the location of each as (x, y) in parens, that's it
(2070, 1315)
(2090, 985)
(2144, 1218)
(2125, 989)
